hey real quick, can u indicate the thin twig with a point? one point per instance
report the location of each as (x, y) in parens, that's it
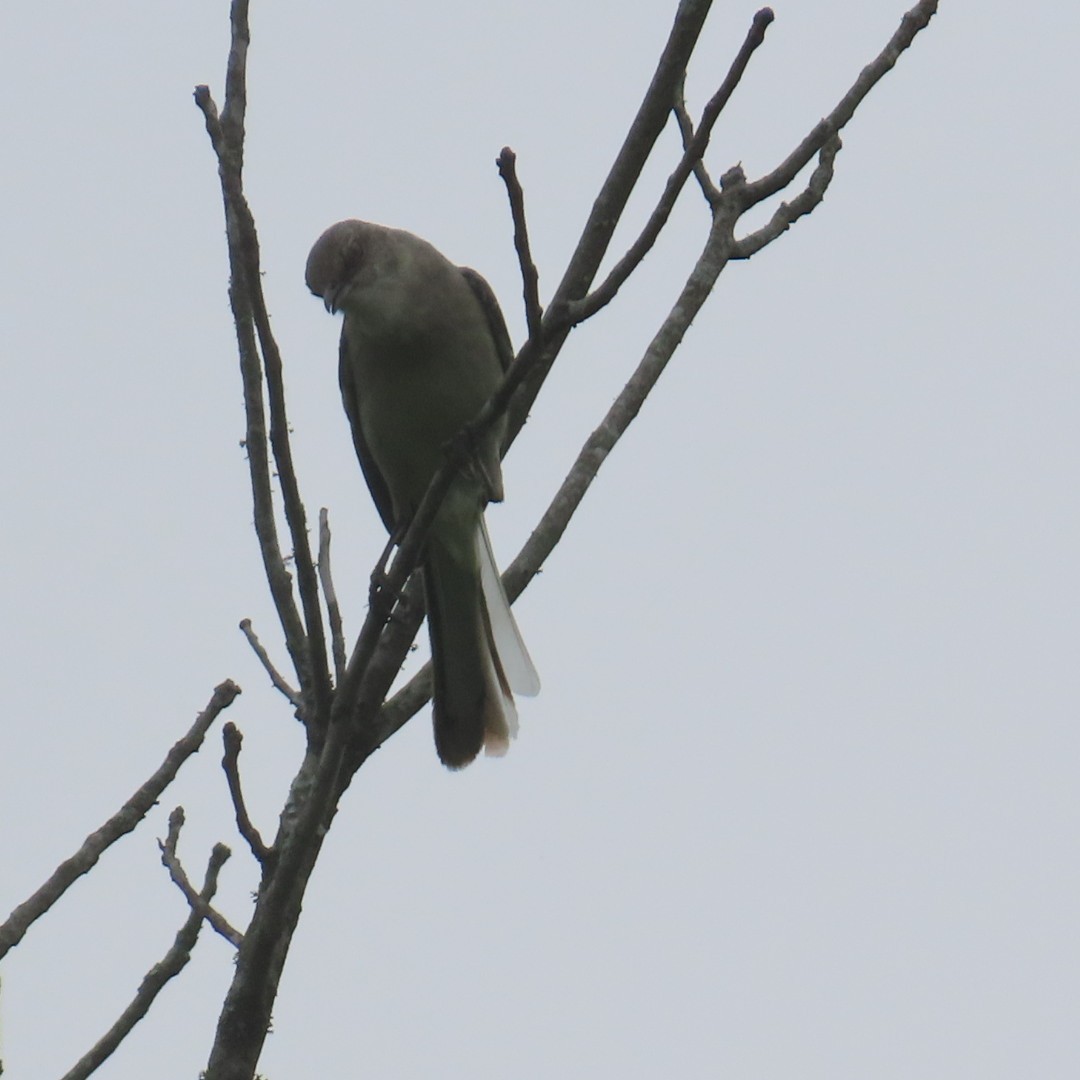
(787, 213)
(913, 21)
(244, 242)
(232, 739)
(228, 148)
(530, 276)
(121, 823)
(245, 1014)
(168, 967)
(293, 696)
(307, 649)
(317, 682)
(171, 861)
(337, 632)
(686, 130)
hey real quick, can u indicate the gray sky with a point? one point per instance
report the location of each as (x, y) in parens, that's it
(799, 795)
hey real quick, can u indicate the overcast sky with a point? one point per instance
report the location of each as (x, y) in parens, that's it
(799, 797)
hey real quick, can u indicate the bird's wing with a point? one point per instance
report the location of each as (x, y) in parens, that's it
(493, 313)
(380, 493)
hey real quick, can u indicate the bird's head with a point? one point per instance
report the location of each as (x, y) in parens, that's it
(338, 259)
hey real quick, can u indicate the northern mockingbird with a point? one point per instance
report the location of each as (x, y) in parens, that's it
(423, 347)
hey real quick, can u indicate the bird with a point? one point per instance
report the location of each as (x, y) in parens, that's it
(423, 347)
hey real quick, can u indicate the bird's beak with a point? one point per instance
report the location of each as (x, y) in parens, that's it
(330, 299)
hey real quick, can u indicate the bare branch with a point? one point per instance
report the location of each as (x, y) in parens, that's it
(245, 1014)
(168, 967)
(209, 109)
(308, 650)
(121, 823)
(530, 277)
(315, 791)
(913, 21)
(337, 632)
(317, 682)
(200, 907)
(788, 213)
(233, 117)
(686, 130)
(692, 155)
(229, 155)
(549, 530)
(232, 739)
(293, 696)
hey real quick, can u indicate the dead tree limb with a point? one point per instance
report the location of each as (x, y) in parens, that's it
(171, 861)
(232, 740)
(168, 967)
(121, 823)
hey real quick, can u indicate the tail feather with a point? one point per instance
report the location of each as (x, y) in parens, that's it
(473, 703)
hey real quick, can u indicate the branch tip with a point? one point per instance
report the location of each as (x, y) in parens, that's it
(276, 678)
(232, 740)
(333, 608)
(530, 276)
(198, 904)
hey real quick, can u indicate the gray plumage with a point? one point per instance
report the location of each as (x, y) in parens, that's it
(423, 347)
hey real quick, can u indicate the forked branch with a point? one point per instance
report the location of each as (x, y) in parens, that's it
(259, 353)
(168, 967)
(122, 822)
(171, 861)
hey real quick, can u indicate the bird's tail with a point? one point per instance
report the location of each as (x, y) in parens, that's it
(477, 653)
